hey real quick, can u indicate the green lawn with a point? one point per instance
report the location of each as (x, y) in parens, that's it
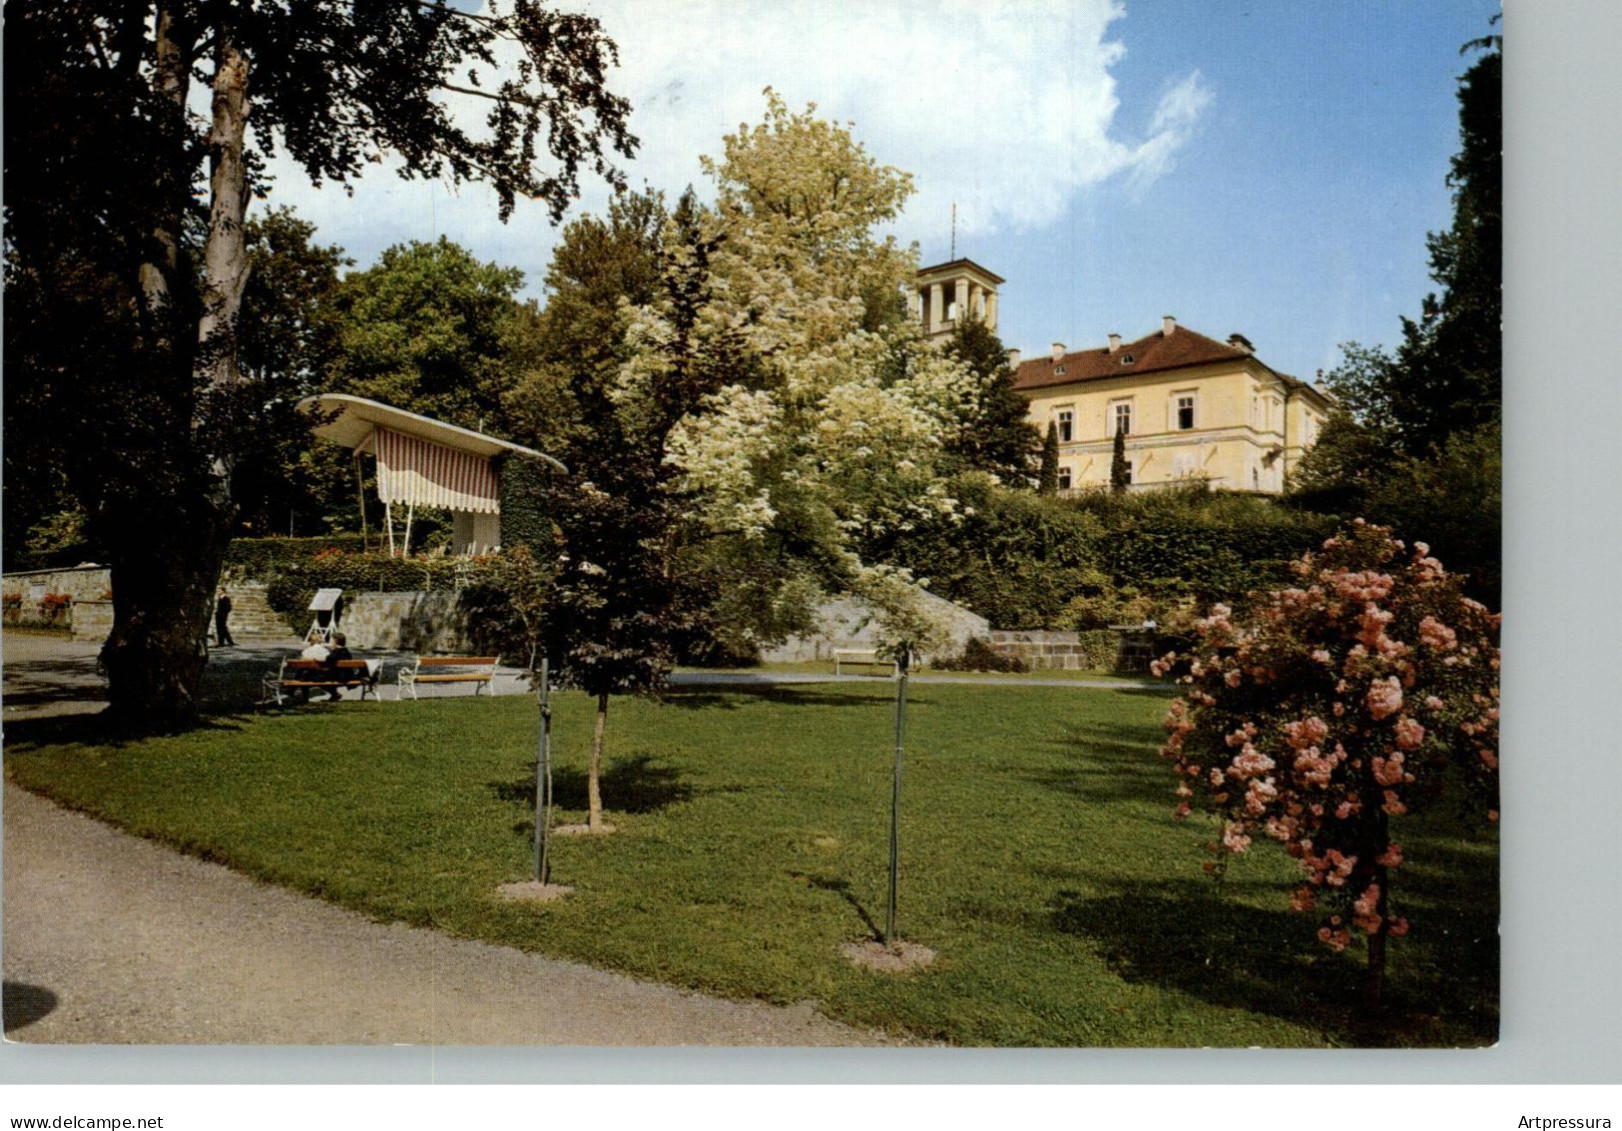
(1039, 857)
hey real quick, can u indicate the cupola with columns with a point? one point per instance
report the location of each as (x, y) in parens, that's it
(948, 291)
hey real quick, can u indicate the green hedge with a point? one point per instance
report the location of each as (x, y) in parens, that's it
(1013, 557)
(1023, 561)
(259, 559)
(524, 518)
(1100, 646)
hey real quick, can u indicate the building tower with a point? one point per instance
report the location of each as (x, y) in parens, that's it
(950, 290)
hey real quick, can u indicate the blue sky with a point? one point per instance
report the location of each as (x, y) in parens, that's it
(1269, 167)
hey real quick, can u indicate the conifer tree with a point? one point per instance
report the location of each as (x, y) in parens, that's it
(1048, 479)
(1120, 475)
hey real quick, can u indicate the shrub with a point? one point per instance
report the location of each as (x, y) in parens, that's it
(1331, 711)
(1013, 557)
(1023, 561)
(979, 656)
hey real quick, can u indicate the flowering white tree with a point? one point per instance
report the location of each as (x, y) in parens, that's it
(828, 423)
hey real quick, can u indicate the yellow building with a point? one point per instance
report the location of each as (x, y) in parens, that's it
(1192, 408)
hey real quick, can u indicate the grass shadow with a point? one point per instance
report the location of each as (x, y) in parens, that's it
(1104, 762)
(101, 729)
(1191, 936)
(789, 695)
(841, 888)
(634, 784)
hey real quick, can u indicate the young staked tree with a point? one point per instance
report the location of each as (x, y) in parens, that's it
(624, 605)
(125, 286)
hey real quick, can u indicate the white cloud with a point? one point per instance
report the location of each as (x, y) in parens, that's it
(1005, 108)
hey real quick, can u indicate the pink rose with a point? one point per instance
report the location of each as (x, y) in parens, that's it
(1384, 697)
(1409, 733)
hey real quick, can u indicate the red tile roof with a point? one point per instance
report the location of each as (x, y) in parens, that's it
(1151, 354)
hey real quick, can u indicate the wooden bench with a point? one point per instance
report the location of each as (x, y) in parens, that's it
(477, 670)
(300, 677)
(868, 656)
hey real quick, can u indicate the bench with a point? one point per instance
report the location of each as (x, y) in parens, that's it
(859, 656)
(477, 670)
(303, 676)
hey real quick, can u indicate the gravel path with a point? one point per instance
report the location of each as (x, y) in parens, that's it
(110, 939)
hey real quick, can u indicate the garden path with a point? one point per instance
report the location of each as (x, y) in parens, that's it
(111, 939)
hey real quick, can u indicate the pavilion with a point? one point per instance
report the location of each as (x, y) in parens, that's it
(422, 462)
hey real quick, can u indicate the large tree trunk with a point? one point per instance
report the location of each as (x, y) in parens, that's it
(594, 793)
(225, 255)
(163, 588)
(167, 559)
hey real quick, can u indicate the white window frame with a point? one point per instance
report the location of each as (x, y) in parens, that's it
(1174, 415)
(1065, 420)
(1066, 480)
(1129, 471)
(1112, 418)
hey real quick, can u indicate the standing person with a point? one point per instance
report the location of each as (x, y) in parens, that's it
(222, 611)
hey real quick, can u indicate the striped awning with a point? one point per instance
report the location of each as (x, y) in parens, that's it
(416, 471)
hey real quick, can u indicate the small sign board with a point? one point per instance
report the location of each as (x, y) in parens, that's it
(325, 600)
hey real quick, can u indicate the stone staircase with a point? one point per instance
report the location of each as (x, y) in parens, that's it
(251, 615)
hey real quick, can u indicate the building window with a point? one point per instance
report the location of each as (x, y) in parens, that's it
(1184, 414)
(1129, 473)
(1067, 425)
(1064, 479)
(1120, 417)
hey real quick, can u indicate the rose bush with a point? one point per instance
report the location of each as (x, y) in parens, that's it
(1330, 711)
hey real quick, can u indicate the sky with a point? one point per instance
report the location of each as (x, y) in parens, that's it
(1263, 167)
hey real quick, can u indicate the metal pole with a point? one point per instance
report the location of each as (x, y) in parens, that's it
(543, 779)
(895, 790)
(360, 497)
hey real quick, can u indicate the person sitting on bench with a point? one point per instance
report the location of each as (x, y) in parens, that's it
(338, 652)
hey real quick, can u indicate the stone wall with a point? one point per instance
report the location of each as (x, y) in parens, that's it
(408, 622)
(848, 623)
(1063, 651)
(92, 620)
(419, 621)
(82, 583)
